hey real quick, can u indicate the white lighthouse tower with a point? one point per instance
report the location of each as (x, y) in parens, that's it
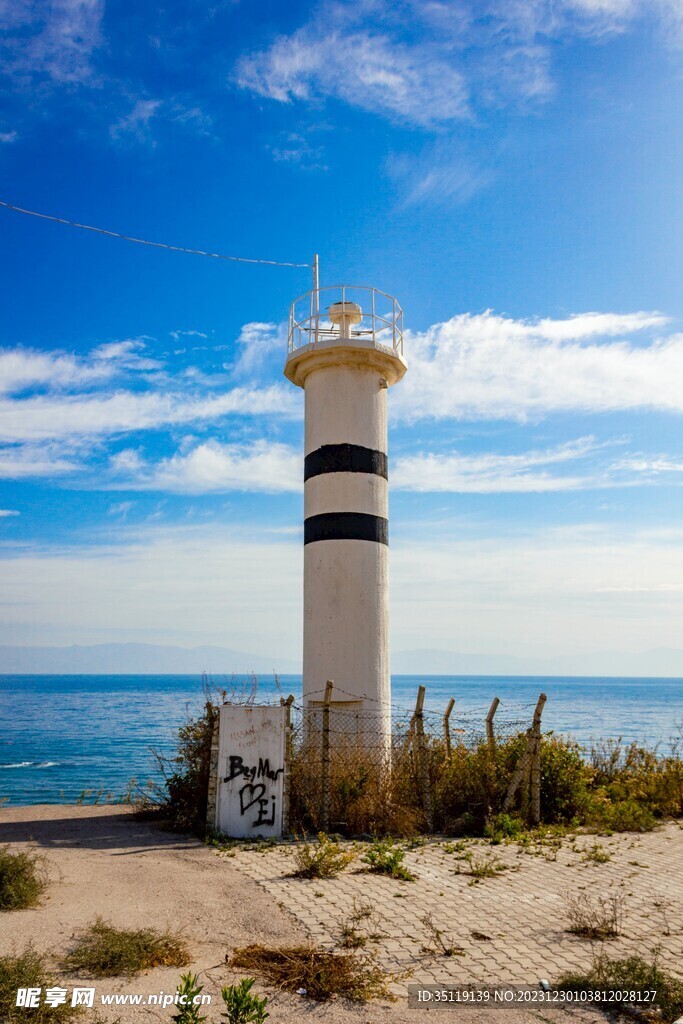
(345, 350)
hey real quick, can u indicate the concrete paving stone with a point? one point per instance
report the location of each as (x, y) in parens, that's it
(523, 911)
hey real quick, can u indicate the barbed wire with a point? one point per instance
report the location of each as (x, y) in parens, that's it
(144, 241)
(476, 710)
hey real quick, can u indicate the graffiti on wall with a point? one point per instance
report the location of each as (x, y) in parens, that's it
(255, 793)
(251, 771)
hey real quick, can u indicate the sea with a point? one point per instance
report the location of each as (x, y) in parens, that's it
(65, 738)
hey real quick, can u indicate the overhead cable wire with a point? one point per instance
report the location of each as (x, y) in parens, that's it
(144, 241)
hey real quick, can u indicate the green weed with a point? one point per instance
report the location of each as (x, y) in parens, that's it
(189, 1012)
(103, 951)
(242, 1007)
(22, 880)
(322, 859)
(386, 858)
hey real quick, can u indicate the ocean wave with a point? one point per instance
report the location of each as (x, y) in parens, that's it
(31, 764)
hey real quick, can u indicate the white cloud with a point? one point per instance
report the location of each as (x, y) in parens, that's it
(127, 355)
(650, 466)
(176, 335)
(295, 148)
(429, 63)
(543, 593)
(24, 462)
(22, 368)
(550, 593)
(191, 585)
(5, 512)
(492, 473)
(472, 367)
(54, 395)
(53, 417)
(484, 366)
(137, 122)
(55, 40)
(120, 509)
(211, 467)
(8, 136)
(266, 467)
(437, 175)
(366, 69)
(257, 345)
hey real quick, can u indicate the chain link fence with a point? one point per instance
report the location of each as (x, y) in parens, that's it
(363, 770)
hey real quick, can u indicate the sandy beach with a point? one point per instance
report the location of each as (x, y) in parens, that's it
(101, 860)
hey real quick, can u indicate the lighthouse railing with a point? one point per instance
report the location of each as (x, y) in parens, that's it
(373, 315)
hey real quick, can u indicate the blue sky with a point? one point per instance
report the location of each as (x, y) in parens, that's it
(511, 171)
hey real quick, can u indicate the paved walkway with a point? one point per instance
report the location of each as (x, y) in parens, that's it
(510, 927)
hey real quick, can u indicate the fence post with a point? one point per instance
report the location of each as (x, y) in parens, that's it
(490, 734)
(524, 765)
(288, 761)
(422, 756)
(327, 700)
(447, 728)
(536, 762)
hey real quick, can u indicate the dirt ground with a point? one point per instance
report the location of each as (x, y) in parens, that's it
(102, 861)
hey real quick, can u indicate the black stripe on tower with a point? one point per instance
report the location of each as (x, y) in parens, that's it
(345, 458)
(346, 526)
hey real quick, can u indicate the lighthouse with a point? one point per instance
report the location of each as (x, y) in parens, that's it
(345, 349)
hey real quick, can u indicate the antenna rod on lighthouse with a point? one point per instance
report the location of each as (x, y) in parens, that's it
(316, 273)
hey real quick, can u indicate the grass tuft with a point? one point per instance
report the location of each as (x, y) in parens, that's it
(320, 973)
(486, 865)
(22, 880)
(597, 854)
(28, 970)
(322, 859)
(631, 973)
(103, 951)
(386, 858)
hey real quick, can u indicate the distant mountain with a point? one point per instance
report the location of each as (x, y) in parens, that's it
(123, 659)
(126, 659)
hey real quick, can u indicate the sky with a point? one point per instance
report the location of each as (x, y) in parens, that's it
(510, 170)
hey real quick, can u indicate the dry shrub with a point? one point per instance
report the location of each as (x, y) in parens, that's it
(613, 786)
(442, 944)
(370, 793)
(103, 951)
(595, 917)
(321, 973)
(362, 924)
